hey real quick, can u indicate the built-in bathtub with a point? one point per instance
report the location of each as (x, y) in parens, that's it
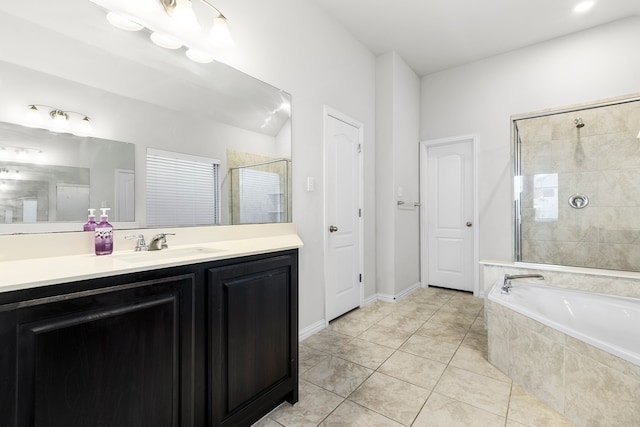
(609, 322)
(577, 351)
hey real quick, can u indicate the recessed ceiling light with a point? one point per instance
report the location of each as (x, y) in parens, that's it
(584, 6)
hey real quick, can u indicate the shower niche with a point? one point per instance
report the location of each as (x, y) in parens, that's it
(577, 186)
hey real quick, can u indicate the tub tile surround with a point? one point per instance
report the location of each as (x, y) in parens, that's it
(612, 282)
(437, 375)
(589, 386)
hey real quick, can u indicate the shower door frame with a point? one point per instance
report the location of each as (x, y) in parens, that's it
(516, 183)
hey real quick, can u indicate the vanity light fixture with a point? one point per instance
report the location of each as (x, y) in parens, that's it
(61, 120)
(174, 24)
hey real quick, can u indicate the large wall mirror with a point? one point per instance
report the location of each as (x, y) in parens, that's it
(577, 199)
(140, 99)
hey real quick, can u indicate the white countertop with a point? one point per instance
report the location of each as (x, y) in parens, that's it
(41, 271)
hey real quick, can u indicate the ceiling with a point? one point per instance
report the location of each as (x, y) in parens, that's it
(433, 35)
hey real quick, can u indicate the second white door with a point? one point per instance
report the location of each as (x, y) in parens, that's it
(449, 215)
(342, 169)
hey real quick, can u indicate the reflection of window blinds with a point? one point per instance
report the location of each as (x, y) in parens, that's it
(181, 189)
(260, 197)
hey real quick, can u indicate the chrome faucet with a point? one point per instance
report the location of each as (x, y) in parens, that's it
(141, 245)
(506, 285)
(159, 241)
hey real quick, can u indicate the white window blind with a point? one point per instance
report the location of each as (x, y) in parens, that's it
(182, 189)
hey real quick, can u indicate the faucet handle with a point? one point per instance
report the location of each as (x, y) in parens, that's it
(141, 245)
(159, 241)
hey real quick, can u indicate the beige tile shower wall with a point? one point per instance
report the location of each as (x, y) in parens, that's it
(601, 160)
(587, 385)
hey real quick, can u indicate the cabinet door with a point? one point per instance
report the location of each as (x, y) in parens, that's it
(111, 357)
(254, 340)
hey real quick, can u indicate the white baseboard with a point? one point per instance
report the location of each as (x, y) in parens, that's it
(312, 329)
(322, 324)
(405, 293)
(370, 300)
(411, 289)
(386, 297)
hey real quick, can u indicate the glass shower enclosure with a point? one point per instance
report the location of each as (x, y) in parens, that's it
(577, 186)
(261, 192)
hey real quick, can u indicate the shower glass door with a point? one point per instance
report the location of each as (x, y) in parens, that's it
(577, 186)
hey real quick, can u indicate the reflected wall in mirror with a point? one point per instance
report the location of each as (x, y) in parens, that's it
(588, 153)
(54, 177)
(138, 94)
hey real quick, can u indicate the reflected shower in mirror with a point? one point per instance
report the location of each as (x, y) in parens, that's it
(576, 189)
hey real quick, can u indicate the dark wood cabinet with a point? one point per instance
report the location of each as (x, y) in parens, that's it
(205, 344)
(116, 356)
(254, 339)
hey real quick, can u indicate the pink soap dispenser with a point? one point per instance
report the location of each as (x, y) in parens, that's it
(104, 234)
(91, 222)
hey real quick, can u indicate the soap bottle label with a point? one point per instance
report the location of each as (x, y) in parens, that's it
(104, 240)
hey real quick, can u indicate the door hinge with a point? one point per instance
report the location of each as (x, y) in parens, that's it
(360, 213)
(359, 148)
(360, 278)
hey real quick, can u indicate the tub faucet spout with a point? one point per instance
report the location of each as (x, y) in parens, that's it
(506, 285)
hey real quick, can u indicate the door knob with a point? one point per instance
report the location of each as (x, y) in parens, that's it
(333, 228)
(469, 223)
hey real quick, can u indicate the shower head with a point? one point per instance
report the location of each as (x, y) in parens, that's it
(579, 123)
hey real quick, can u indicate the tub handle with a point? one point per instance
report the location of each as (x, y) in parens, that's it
(578, 201)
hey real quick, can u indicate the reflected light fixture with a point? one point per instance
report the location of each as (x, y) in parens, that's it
(174, 24)
(20, 154)
(59, 120)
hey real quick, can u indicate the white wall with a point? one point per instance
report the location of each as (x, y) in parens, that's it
(479, 98)
(295, 46)
(397, 126)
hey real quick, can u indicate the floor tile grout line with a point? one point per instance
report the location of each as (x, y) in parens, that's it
(396, 350)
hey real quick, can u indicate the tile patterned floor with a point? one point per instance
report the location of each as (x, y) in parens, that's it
(419, 362)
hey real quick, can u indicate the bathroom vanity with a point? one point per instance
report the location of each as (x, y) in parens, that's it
(202, 338)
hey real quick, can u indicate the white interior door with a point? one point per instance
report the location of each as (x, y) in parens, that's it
(450, 215)
(125, 195)
(342, 196)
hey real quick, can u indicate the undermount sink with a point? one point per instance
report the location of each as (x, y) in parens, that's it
(165, 254)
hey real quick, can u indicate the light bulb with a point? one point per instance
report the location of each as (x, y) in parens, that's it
(184, 18)
(199, 56)
(219, 36)
(123, 22)
(33, 117)
(166, 41)
(584, 6)
(84, 128)
(59, 121)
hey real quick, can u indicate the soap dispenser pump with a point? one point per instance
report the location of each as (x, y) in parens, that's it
(91, 222)
(104, 234)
